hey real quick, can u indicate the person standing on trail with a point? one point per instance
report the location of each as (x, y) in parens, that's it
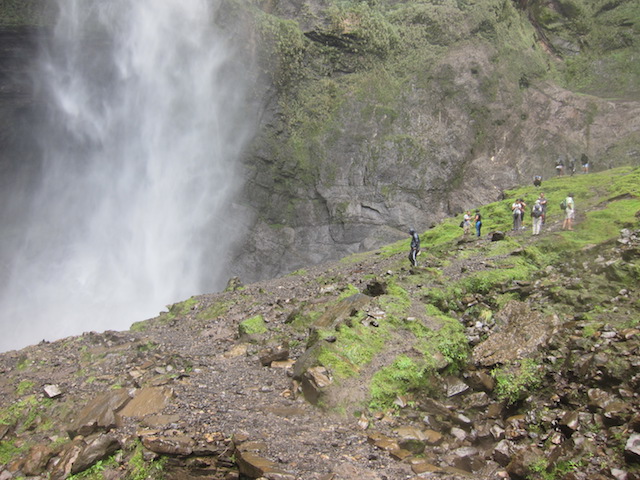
(466, 223)
(516, 209)
(415, 247)
(478, 221)
(536, 217)
(569, 212)
(543, 204)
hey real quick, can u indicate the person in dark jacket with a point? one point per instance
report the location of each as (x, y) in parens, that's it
(415, 247)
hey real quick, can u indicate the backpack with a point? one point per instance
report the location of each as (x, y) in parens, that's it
(563, 204)
(537, 211)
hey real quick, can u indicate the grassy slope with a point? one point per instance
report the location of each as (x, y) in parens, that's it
(423, 306)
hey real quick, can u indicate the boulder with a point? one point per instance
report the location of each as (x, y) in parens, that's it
(521, 465)
(632, 449)
(99, 448)
(519, 332)
(99, 414)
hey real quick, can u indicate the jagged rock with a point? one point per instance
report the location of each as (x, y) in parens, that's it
(313, 381)
(420, 465)
(497, 432)
(477, 400)
(147, 401)
(255, 466)
(519, 332)
(481, 380)
(400, 454)
(468, 459)
(36, 460)
(632, 449)
(61, 469)
(233, 284)
(99, 414)
(274, 354)
(502, 452)
(180, 445)
(619, 474)
(570, 423)
(344, 309)
(458, 433)
(52, 391)
(520, 466)
(411, 439)
(433, 438)
(95, 450)
(454, 386)
(382, 441)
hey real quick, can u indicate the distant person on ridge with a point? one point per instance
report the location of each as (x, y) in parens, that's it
(584, 160)
(560, 166)
(572, 166)
(415, 247)
(569, 212)
(537, 181)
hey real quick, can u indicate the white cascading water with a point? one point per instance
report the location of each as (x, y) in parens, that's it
(131, 211)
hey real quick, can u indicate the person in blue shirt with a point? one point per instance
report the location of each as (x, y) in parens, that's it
(478, 221)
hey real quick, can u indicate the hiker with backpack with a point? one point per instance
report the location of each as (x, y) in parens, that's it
(516, 211)
(568, 205)
(415, 247)
(536, 217)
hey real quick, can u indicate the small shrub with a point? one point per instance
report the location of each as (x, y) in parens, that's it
(513, 381)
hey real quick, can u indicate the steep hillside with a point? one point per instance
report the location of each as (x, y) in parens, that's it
(501, 356)
(386, 114)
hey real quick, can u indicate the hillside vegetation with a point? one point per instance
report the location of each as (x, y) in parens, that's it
(516, 357)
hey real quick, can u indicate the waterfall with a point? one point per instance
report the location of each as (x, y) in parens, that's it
(130, 207)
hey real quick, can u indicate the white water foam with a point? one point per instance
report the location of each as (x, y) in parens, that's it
(131, 209)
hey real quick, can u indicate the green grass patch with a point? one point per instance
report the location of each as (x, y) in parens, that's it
(396, 302)
(24, 386)
(141, 469)
(252, 326)
(96, 472)
(214, 311)
(354, 347)
(449, 340)
(403, 377)
(9, 451)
